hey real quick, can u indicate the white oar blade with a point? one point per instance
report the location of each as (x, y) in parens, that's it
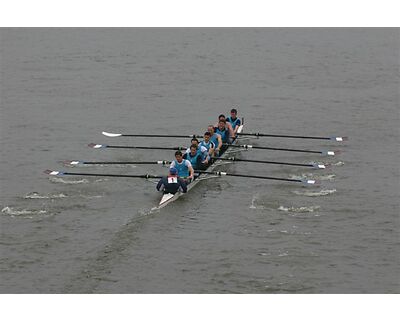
(111, 135)
(309, 182)
(53, 173)
(96, 146)
(330, 153)
(319, 166)
(72, 162)
(339, 139)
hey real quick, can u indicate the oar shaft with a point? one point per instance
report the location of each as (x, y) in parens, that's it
(60, 173)
(161, 136)
(220, 173)
(283, 136)
(126, 162)
(265, 161)
(246, 146)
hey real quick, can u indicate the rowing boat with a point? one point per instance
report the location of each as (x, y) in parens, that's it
(167, 198)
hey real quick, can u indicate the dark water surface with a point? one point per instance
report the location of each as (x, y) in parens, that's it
(61, 87)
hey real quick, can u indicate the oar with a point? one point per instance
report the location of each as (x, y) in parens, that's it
(311, 165)
(333, 138)
(249, 146)
(114, 135)
(77, 162)
(221, 173)
(61, 173)
(99, 146)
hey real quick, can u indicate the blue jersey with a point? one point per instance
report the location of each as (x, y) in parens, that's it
(214, 139)
(195, 160)
(208, 145)
(183, 167)
(223, 133)
(234, 123)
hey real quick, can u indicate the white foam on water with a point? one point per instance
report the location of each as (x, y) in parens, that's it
(36, 195)
(61, 180)
(21, 212)
(324, 192)
(299, 209)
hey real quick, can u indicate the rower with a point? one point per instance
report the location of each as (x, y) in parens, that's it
(195, 157)
(223, 131)
(234, 121)
(172, 183)
(216, 139)
(184, 167)
(228, 125)
(208, 144)
(202, 150)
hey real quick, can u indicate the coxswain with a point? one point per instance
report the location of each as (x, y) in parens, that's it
(195, 157)
(216, 139)
(172, 183)
(227, 125)
(184, 167)
(223, 131)
(234, 121)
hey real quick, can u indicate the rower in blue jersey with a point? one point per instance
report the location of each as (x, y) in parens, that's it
(228, 126)
(234, 121)
(216, 139)
(195, 157)
(223, 131)
(208, 144)
(184, 167)
(203, 151)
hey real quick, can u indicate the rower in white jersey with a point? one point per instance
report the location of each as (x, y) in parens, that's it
(208, 144)
(184, 167)
(228, 126)
(216, 139)
(234, 121)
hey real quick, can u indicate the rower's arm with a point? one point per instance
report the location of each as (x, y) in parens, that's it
(231, 132)
(191, 171)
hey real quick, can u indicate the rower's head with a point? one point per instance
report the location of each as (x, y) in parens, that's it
(233, 113)
(210, 129)
(221, 117)
(178, 156)
(195, 142)
(193, 149)
(207, 136)
(173, 171)
(221, 124)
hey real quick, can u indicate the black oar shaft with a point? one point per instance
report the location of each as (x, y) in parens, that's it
(265, 161)
(161, 136)
(277, 149)
(219, 173)
(283, 136)
(124, 162)
(146, 147)
(109, 175)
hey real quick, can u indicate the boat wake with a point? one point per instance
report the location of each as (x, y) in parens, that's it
(67, 181)
(326, 177)
(10, 211)
(299, 209)
(323, 192)
(36, 195)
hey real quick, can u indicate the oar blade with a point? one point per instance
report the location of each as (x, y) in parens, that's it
(53, 173)
(96, 146)
(72, 162)
(309, 182)
(111, 135)
(339, 139)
